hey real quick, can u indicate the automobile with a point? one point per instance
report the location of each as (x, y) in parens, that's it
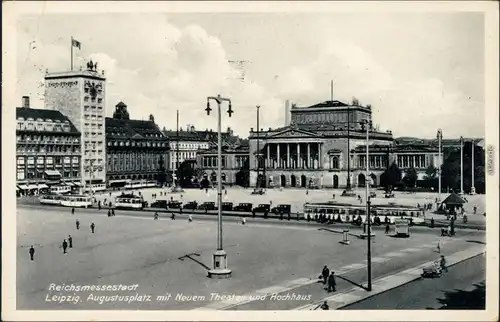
(208, 205)
(174, 204)
(285, 209)
(159, 204)
(373, 195)
(191, 205)
(264, 207)
(227, 206)
(244, 207)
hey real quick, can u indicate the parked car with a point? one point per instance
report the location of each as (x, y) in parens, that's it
(174, 204)
(159, 204)
(285, 209)
(208, 205)
(227, 206)
(191, 205)
(265, 207)
(244, 207)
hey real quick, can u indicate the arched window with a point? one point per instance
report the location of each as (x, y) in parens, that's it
(334, 163)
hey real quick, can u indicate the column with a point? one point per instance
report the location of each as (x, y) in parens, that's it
(268, 157)
(320, 157)
(288, 155)
(308, 155)
(299, 164)
(278, 156)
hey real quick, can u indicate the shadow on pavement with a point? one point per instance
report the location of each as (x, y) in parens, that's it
(190, 256)
(476, 242)
(351, 282)
(465, 300)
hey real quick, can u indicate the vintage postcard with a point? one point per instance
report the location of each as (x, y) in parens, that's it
(231, 161)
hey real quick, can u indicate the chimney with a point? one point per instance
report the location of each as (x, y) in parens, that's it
(26, 102)
(287, 113)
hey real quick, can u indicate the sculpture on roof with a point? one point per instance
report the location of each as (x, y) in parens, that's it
(91, 66)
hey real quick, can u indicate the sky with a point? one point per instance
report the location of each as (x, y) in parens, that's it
(419, 71)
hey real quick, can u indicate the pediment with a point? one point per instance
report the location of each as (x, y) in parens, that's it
(137, 136)
(294, 133)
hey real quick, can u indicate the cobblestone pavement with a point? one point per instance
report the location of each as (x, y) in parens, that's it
(128, 250)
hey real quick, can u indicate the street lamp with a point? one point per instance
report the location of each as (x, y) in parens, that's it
(473, 186)
(365, 123)
(461, 165)
(220, 269)
(258, 184)
(440, 138)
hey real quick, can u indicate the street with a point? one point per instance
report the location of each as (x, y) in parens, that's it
(461, 288)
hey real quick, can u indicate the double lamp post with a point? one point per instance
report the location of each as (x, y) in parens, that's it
(219, 269)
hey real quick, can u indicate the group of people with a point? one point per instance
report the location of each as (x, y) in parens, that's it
(328, 279)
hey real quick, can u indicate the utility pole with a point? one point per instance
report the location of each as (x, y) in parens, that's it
(440, 138)
(461, 165)
(473, 186)
(258, 183)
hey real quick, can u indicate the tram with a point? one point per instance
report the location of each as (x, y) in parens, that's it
(347, 212)
(50, 199)
(129, 201)
(60, 189)
(68, 200)
(95, 187)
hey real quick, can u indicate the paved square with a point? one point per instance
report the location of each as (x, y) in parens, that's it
(144, 254)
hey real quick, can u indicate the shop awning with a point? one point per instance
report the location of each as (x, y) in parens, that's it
(52, 173)
(118, 181)
(42, 186)
(23, 187)
(69, 183)
(32, 186)
(77, 183)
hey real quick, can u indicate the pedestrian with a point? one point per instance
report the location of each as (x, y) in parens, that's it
(32, 252)
(439, 246)
(113, 212)
(281, 215)
(331, 282)
(109, 212)
(432, 222)
(225, 191)
(308, 217)
(99, 205)
(475, 209)
(172, 216)
(70, 241)
(325, 274)
(73, 210)
(64, 246)
(92, 227)
(307, 192)
(442, 264)
(243, 220)
(325, 306)
(155, 216)
(289, 216)
(190, 218)
(387, 229)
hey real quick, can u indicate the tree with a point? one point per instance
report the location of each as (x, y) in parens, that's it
(390, 177)
(243, 176)
(411, 177)
(430, 172)
(185, 173)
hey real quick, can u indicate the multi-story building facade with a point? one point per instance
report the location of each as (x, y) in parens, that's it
(191, 142)
(324, 143)
(234, 157)
(81, 96)
(48, 149)
(135, 149)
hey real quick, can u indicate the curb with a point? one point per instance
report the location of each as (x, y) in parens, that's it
(407, 276)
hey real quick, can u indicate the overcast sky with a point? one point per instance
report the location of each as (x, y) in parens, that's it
(419, 71)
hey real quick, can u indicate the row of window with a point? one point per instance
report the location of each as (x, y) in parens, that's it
(92, 117)
(47, 160)
(183, 155)
(189, 146)
(47, 138)
(138, 144)
(43, 127)
(40, 174)
(133, 162)
(211, 161)
(47, 149)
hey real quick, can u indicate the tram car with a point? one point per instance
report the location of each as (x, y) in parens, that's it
(129, 202)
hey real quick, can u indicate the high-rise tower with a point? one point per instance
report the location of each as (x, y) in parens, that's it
(81, 96)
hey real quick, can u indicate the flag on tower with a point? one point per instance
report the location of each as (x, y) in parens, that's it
(76, 43)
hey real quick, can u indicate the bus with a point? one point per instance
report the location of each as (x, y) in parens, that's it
(59, 190)
(346, 212)
(50, 199)
(129, 201)
(76, 201)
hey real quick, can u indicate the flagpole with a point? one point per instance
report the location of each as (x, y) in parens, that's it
(71, 53)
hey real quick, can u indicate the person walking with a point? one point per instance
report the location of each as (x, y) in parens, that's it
(73, 210)
(190, 218)
(77, 225)
(243, 220)
(442, 264)
(92, 227)
(387, 229)
(325, 274)
(70, 241)
(64, 246)
(172, 216)
(331, 282)
(109, 212)
(32, 252)
(156, 216)
(325, 306)
(439, 246)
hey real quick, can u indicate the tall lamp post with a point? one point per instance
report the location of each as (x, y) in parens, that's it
(348, 190)
(258, 183)
(473, 186)
(365, 123)
(461, 165)
(439, 138)
(220, 269)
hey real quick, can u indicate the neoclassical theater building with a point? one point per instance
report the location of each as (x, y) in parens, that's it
(313, 150)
